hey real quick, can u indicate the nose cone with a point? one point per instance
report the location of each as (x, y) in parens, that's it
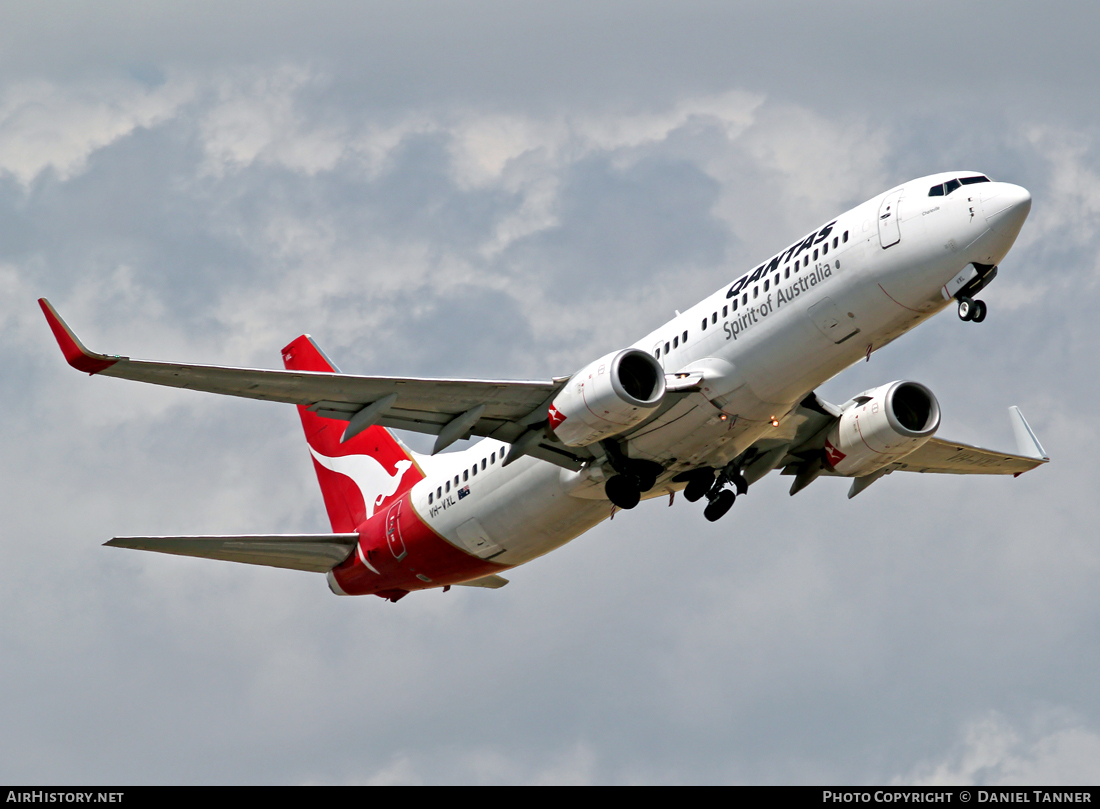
(1006, 207)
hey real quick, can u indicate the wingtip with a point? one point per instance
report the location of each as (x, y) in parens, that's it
(1027, 444)
(74, 351)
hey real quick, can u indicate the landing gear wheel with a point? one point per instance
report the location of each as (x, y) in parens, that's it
(698, 486)
(718, 507)
(979, 312)
(739, 483)
(622, 491)
(966, 308)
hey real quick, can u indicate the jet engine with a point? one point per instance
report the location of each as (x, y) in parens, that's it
(883, 425)
(606, 397)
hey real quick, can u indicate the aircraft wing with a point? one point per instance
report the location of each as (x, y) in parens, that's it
(317, 553)
(954, 458)
(810, 421)
(944, 456)
(452, 409)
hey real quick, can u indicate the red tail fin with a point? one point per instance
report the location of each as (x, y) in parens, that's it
(360, 475)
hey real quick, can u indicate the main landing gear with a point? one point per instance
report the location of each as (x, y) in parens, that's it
(703, 483)
(634, 477)
(971, 309)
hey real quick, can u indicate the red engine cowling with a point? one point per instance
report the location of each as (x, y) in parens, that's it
(606, 397)
(884, 425)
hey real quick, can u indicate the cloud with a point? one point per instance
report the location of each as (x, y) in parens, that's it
(49, 126)
(215, 215)
(993, 752)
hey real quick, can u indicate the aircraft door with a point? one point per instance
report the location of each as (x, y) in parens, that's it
(889, 232)
(393, 531)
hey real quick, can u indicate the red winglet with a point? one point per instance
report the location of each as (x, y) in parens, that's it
(75, 353)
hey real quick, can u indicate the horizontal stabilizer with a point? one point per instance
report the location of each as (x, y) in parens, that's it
(492, 582)
(316, 553)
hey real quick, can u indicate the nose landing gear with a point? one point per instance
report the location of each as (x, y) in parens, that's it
(971, 309)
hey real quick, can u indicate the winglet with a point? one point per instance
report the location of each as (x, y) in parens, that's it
(1026, 442)
(75, 353)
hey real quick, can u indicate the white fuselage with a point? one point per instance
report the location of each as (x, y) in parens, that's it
(822, 304)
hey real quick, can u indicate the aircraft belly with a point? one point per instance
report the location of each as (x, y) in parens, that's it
(521, 517)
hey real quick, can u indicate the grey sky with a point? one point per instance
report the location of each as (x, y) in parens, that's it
(486, 189)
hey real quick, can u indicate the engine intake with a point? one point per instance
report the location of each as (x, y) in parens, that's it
(606, 397)
(883, 425)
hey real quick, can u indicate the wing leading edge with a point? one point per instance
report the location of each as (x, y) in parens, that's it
(452, 409)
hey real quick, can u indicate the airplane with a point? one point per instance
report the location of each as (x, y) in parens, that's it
(707, 404)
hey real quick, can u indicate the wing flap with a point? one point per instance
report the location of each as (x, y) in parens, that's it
(316, 553)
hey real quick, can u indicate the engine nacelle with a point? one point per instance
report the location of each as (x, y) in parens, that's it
(884, 425)
(610, 395)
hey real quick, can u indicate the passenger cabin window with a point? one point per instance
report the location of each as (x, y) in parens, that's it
(448, 486)
(675, 342)
(482, 464)
(429, 498)
(835, 242)
(714, 317)
(787, 273)
(666, 348)
(745, 299)
(765, 285)
(456, 480)
(825, 249)
(439, 492)
(735, 301)
(657, 352)
(845, 237)
(725, 311)
(756, 292)
(704, 327)
(493, 457)
(815, 255)
(685, 338)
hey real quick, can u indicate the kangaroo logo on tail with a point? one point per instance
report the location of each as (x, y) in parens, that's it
(374, 482)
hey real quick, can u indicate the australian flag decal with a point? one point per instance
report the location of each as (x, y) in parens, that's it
(463, 492)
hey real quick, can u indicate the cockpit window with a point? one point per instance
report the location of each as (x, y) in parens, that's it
(951, 185)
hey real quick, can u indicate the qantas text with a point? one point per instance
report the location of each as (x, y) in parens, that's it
(817, 237)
